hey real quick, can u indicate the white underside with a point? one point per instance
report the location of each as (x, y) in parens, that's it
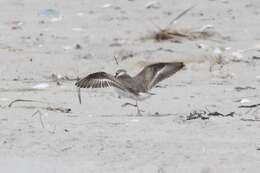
(142, 96)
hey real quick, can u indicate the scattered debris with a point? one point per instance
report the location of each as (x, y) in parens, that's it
(238, 89)
(116, 60)
(174, 21)
(202, 46)
(117, 42)
(107, 5)
(205, 27)
(9, 48)
(59, 78)
(157, 114)
(49, 12)
(231, 114)
(66, 149)
(244, 100)
(249, 106)
(58, 109)
(23, 100)
(246, 119)
(237, 56)
(78, 46)
(53, 14)
(161, 86)
(86, 56)
(15, 25)
(67, 47)
(204, 115)
(49, 108)
(152, 4)
(40, 116)
(256, 57)
(198, 114)
(178, 35)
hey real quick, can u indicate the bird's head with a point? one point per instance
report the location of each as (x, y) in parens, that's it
(120, 72)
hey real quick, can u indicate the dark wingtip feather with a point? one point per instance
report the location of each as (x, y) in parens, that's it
(80, 84)
(77, 83)
(180, 65)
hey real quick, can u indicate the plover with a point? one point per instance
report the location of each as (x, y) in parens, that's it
(136, 87)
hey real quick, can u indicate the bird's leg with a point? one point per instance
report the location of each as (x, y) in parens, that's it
(139, 111)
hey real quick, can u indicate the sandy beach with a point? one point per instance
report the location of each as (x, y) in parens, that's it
(204, 119)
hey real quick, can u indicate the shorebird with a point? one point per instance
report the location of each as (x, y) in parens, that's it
(136, 87)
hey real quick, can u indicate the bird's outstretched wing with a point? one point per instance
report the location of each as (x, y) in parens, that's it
(99, 80)
(154, 73)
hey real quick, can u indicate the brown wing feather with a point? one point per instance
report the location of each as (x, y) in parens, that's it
(154, 73)
(99, 80)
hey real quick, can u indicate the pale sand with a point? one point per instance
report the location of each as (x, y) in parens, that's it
(99, 135)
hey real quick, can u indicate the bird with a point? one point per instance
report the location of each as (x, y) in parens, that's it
(137, 87)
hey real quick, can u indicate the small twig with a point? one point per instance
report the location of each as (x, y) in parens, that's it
(157, 114)
(58, 109)
(244, 88)
(40, 116)
(249, 106)
(23, 100)
(246, 119)
(206, 114)
(220, 114)
(179, 16)
(116, 60)
(54, 109)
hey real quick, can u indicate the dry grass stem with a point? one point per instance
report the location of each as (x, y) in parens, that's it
(178, 35)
